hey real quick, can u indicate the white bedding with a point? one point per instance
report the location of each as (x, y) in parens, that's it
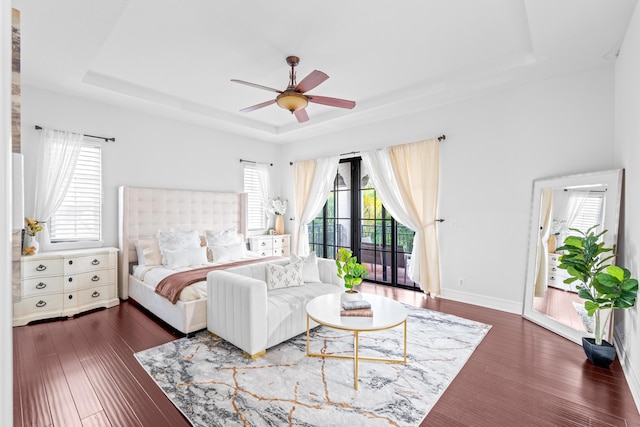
(153, 275)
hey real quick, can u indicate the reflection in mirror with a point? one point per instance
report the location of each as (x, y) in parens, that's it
(559, 205)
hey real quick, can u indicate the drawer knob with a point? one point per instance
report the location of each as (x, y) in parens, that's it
(40, 304)
(95, 278)
(70, 262)
(41, 285)
(95, 262)
(264, 243)
(70, 296)
(95, 294)
(41, 267)
(70, 279)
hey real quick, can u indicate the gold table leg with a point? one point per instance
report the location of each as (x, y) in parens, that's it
(356, 356)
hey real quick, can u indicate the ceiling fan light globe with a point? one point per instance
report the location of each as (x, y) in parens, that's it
(292, 101)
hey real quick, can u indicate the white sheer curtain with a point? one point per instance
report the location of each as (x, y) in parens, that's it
(406, 180)
(542, 261)
(312, 180)
(57, 157)
(262, 171)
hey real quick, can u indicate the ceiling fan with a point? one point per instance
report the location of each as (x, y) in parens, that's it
(294, 97)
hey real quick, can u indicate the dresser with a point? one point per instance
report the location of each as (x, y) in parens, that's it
(271, 245)
(65, 283)
(557, 276)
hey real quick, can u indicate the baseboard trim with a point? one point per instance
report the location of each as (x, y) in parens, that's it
(633, 380)
(483, 301)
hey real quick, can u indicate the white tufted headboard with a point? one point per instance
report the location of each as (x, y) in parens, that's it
(144, 211)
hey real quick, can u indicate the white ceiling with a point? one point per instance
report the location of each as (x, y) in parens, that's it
(176, 58)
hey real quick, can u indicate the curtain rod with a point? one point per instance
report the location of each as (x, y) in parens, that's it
(440, 138)
(89, 136)
(255, 163)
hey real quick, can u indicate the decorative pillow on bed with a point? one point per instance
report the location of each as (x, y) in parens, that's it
(284, 276)
(148, 252)
(310, 270)
(176, 239)
(223, 237)
(221, 253)
(179, 258)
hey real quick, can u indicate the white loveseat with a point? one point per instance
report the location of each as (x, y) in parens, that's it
(242, 311)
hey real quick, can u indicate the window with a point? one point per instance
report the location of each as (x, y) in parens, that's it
(355, 218)
(590, 213)
(79, 218)
(256, 179)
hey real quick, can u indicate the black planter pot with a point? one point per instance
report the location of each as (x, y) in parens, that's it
(599, 355)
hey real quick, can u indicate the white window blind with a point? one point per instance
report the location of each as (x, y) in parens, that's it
(253, 187)
(79, 218)
(591, 212)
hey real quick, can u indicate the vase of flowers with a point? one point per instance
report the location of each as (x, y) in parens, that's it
(278, 208)
(33, 227)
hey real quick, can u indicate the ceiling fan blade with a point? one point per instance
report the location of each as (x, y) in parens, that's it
(312, 80)
(301, 115)
(256, 85)
(333, 102)
(261, 105)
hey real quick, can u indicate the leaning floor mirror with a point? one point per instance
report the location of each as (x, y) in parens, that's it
(559, 204)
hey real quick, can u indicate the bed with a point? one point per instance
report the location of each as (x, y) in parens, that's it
(144, 211)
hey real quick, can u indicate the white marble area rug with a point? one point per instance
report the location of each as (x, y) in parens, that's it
(213, 384)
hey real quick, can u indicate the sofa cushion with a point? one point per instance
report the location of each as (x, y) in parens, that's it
(287, 312)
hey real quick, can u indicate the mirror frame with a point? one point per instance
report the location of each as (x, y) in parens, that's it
(613, 178)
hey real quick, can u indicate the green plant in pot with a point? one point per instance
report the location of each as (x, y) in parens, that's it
(604, 287)
(350, 271)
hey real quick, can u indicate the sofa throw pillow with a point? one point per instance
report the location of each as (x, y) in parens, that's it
(180, 258)
(148, 252)
(284, 276)
(310, 270)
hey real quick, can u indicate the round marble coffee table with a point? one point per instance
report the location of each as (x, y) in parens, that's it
(387, 314)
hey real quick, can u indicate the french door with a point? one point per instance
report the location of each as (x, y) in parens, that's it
(355, 218)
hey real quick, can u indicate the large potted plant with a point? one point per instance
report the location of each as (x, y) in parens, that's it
(351, 272)
(603, 287)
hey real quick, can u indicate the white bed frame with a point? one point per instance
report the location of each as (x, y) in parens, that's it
(144, 211)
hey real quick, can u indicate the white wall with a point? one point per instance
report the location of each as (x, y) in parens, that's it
(6, 299)
(627, 155)
(149, 151)
(495, 147)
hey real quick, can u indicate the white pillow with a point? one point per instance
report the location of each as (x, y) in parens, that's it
(310, 270)
(173, 239)
(148, 252)
(223, 237)
(287, 276)
(179, 258)
(221, 253)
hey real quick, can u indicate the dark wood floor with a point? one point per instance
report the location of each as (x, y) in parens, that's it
(81, 372)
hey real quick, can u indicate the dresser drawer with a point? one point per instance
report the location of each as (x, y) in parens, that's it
(262, 244)
(41, 285)
(42, 267)
(89, 279)
(86, 263)
(95, 295)
(558, 272)
(51, 305)
(280, 241)
(554, 258)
